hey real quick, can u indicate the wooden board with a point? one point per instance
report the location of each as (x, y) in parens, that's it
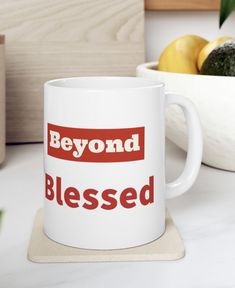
(2, 99)
(57, 38)
(182, 5)
(43, 250)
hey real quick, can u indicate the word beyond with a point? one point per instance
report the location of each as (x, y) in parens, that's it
(91, 198)
(96, 145)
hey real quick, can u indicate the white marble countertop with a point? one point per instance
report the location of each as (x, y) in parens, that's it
(205, 217)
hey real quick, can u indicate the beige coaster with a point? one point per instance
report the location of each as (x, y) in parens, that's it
(43, 250)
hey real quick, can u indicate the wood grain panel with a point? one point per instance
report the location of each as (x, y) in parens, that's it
(182, 4)
(57, 38)
(2, 99)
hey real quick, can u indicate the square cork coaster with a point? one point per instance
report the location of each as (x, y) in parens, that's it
(44, 250)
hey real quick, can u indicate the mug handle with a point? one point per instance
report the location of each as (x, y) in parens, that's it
(195, 146)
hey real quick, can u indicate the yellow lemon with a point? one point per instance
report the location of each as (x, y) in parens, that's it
(207, 49)
(181, 55)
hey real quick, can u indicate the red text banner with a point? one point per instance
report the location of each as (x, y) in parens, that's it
(96, 145)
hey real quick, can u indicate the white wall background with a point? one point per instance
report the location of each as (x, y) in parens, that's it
(163, 27)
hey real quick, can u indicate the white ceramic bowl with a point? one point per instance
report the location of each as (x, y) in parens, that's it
(214, 98)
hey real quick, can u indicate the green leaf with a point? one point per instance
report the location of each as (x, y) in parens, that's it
(226, 8)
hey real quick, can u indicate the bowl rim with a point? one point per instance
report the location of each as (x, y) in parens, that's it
(147, 66)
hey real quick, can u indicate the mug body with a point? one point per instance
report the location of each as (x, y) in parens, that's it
(104, 162)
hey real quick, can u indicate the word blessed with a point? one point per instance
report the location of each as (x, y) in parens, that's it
(96, 145)
(88, 199)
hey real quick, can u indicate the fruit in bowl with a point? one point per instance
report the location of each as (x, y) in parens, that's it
(192, 54)
(208, 48)
(221, 60)
(181, 55)
(214, 98)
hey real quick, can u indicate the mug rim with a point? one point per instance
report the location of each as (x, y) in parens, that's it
(134, 83)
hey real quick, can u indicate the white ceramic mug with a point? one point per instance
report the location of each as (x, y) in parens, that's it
(105, 160)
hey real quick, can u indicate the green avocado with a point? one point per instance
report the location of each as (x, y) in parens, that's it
(221, 61)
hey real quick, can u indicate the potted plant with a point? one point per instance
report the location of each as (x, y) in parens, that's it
(226, 8)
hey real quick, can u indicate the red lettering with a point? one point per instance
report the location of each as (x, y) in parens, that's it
(127, 195)
(128, 198)
(70, 195)
(147, 198)
(49, 183)
(112, 202)
(88, 195)
(58, 191)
